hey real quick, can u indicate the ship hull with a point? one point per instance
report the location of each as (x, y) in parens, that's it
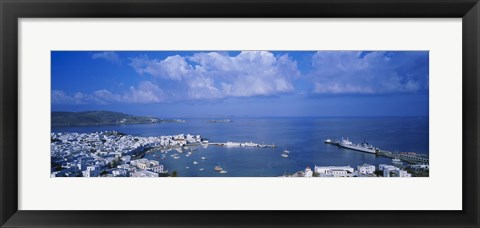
(352, 147)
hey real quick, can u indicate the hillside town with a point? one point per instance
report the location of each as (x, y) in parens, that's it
(110, 154)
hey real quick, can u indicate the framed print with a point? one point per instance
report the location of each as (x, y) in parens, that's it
(265, 113)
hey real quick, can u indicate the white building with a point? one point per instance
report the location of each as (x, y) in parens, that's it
(100, 163)
(127, 167)
(402, 173)
(387, 169)
(126, 158)
(366, 169)
(156, 169)
(109, 160)
(339, 173)
(334, 171)
(308, 172)
(143, 173)
(154, 163)
(91, 171)
(392, 171)
(382, 167)
(142, 163)
(119, 173)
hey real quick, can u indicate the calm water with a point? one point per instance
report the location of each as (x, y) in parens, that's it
(303, 137)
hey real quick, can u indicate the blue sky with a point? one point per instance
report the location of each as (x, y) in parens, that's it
(242, 83)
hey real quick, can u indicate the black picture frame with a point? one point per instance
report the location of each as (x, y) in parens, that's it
(12, 10)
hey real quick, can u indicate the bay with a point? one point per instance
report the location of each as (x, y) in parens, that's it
(302, 136)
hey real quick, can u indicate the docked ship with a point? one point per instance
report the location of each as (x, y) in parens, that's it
(231, 144)
(250, 144)
(363, 147)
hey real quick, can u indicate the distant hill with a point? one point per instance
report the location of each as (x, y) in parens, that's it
(99, 118)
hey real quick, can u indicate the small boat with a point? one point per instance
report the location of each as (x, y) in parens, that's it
(285, 151)
(223, 171)
(218, 168)
(284, 155)
(396, 161)
(201, 169)
(204, 158)
(187, 167)
(195, 162)
(187, 155)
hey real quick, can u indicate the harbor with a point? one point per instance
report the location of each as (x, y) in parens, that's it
(249, 147)
(410, 157)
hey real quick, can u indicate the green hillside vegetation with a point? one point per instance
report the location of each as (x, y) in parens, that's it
(98, 118)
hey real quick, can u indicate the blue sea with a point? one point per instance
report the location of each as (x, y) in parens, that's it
(302, 136)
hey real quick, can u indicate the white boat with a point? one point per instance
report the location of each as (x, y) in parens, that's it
(284, 155)
(250, 144)
(204, 158)
(195, 162)
(187, 167)
(223, 171)
(396, 161)
(327, 141)
(201, 169)
(363, 147)
(218, 168)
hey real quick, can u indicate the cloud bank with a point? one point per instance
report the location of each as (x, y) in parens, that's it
(221, 75)
(348, 72)
(218, 75)
(145, 92)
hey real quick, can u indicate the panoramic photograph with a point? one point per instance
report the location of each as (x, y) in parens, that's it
(242, 113)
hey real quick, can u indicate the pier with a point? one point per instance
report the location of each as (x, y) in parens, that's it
(238, 144)
(410, 157)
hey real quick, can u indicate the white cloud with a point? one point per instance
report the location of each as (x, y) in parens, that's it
(347, 72)
(145, 92)
(217, 75)
(60, 97)
(173, 67)
(107, 55)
